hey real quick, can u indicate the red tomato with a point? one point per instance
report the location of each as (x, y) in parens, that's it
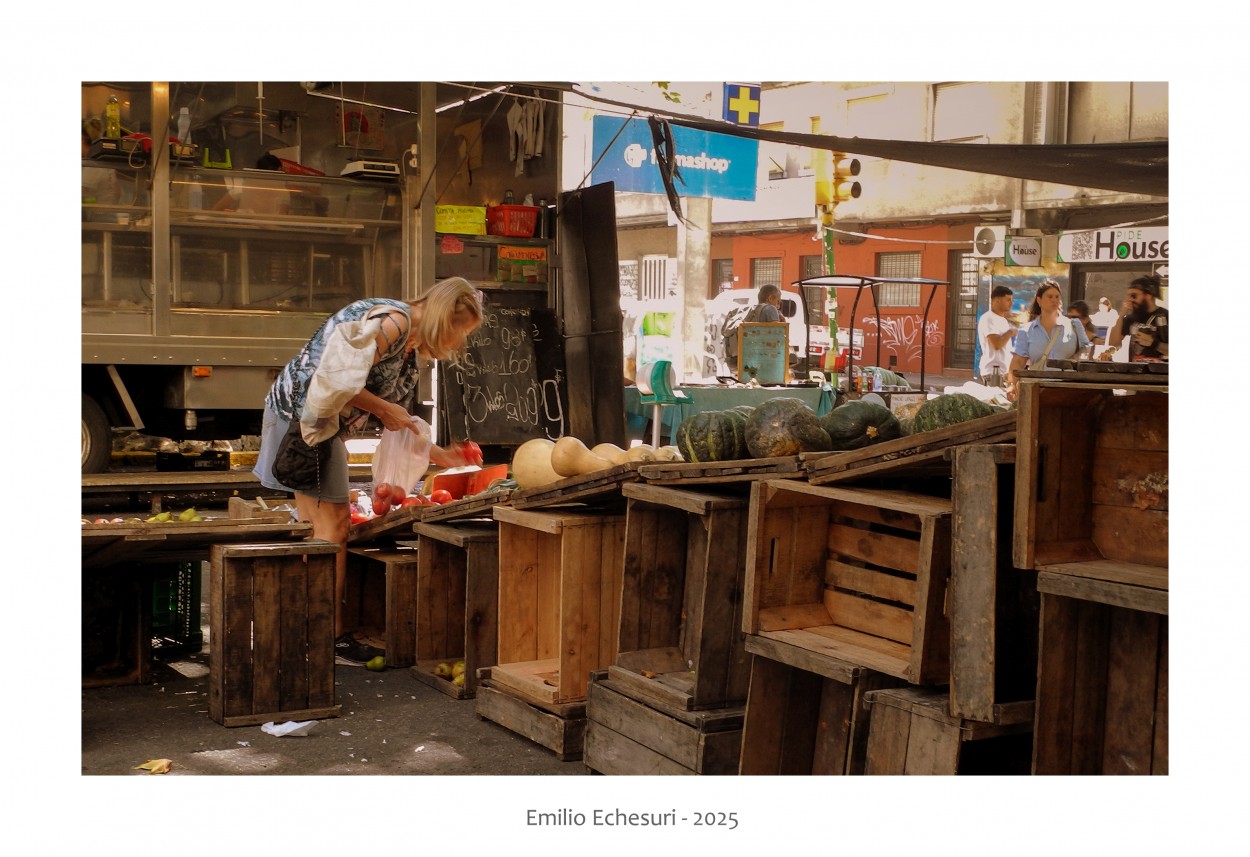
(380, 506)
(442, 495)
(382, 491)
(397, 495)
(472, 452)
(414, 500)
(358, 519)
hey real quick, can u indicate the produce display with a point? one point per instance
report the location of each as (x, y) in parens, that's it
(784, 426)
(540, 462)
(452, 672)
(186, 516)
(948, 410)
(857, 424)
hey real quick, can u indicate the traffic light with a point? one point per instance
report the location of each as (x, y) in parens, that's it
(845, 168)
(834, 173)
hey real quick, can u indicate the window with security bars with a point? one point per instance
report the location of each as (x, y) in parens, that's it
(765, 272)
(898, 265)
(722, 276)
(811, 266)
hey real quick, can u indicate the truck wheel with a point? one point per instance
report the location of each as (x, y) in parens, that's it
(97, 445)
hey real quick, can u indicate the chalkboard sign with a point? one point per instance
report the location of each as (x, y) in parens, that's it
(762, 352)
(510, 385)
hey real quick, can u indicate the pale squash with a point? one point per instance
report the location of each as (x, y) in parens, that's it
(570, 457)
(642, 452)
(668, 453)
(531, 464)
(611, 452)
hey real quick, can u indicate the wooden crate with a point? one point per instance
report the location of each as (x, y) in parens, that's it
(690, 473)
(805, 712)
(116, 626)
(1102, 679)
(457, 601)
(271, 641)
(625, 735)
(599, 487)
(993, 606)
(910, 732)
(381, 597)
(1091, 473)
(681, 640)
(857, 574)
(560, 727)
(559, 599)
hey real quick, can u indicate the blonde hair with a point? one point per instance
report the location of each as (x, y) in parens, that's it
(445, 306)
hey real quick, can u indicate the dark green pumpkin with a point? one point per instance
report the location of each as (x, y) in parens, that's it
(857, 424)
(784, 426)
(948, 410)
(712, 436)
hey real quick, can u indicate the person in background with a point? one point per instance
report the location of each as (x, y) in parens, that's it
(436, 326)
(1142, 319)
(1080, 311)
(768, 306)
(995, 331)
(1047, 336)
(1106, 316)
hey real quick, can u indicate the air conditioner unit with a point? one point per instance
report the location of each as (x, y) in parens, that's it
(989, 242)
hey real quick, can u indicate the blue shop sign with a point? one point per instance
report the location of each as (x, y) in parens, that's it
(713, 165)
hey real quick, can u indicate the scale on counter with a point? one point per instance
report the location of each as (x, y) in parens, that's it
(371, 169)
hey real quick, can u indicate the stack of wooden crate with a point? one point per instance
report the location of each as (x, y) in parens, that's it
(672, 702)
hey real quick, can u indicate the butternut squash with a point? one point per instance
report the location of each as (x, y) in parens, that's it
(531, 464)
(570, 457)
(642, 452)
(668, 453)
(611, 452)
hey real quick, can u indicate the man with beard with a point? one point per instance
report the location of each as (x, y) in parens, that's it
(1143, 320)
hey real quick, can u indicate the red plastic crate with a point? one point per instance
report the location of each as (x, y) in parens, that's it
(516, 221)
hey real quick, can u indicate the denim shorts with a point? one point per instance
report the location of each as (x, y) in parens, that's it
(334, 480)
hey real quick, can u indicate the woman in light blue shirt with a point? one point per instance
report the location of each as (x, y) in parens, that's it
(1049, 335)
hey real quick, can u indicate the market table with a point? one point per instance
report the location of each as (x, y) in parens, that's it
(719, 398)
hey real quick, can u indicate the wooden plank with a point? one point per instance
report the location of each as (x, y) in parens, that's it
(609, 752)
(714, 608)
(762, 727)
(464, 509)
(974, 580)
(652, 728)
(1132, 669)
(844, 644)
(518, 593)
(889, 732)
(793, 616)
(1130, 477)
(801, 658)
(880, 549)
(481, 607)
(834, 736)
(535, 681)
(1024, 512)
(870, 617)
(401, 609)
(799, 723)
(1131, 535)
(930, 642)
(319, 576)
(578, 599)
(599, 485)
(294, 677)
(1104, 592)
(687, 500)
(395, 522)
(719, 472)
(1127, 573)
(565, 736)
(266, 651)
(1089, 687)
(1159, 752)
(236, 649)
(932, 748)
(905, 452)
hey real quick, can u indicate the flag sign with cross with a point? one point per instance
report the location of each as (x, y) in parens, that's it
(742, 104)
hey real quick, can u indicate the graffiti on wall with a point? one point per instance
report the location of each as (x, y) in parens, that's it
(905, 334)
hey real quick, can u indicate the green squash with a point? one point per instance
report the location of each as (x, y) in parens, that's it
(950, 409)
(784, 426)
(857, 424)
(712, 436)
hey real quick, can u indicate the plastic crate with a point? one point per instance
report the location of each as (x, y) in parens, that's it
(515, 221)
(176, 606)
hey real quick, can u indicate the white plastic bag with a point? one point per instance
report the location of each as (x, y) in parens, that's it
(403, 457)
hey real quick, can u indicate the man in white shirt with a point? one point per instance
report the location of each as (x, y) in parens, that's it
(995, 332)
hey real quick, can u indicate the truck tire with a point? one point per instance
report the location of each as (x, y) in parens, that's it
(97, 447)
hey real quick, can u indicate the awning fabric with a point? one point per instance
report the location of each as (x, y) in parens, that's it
(1126, 167)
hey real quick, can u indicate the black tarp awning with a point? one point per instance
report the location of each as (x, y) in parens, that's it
(1125, 167)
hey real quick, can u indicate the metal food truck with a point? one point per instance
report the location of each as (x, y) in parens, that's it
(222, 222)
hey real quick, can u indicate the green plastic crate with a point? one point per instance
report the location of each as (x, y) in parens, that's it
(176, 606)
